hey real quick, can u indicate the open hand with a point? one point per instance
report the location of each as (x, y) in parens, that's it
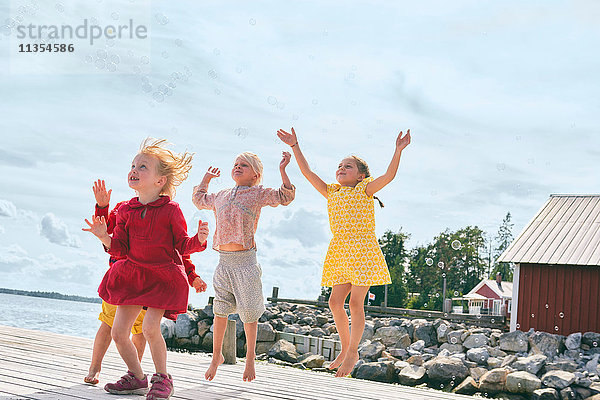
(288, 138)
(403, 141)
(202, 231)
(212, 173)
(285, 159)
(199, 285)
(97, 227)
(100, 193)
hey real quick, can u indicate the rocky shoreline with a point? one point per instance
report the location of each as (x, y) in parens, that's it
(437, 354)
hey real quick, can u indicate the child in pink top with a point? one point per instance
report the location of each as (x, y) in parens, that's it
(237, 283)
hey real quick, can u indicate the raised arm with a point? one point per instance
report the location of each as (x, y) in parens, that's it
(378, 183)
(291, 140)
(285, 160)
(200, 197)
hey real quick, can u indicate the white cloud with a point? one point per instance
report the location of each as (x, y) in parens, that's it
(56, 231)
(308, 227)
(14, 259)
(7, 209)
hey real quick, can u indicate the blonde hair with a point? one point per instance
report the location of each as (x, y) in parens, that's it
(255, 163)
(175, 167)
(363, 168)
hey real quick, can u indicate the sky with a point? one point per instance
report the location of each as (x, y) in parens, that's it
(501, 99)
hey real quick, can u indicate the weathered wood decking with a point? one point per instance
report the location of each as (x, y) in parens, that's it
(43, 365)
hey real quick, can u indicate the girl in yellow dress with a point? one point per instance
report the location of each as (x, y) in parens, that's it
(354, 261)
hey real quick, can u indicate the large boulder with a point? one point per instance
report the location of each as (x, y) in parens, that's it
(376, 371)
(183, 326)
(468, 386)
(455, 337)
(203, 327)
(494, 381)
(390, 335)
(532, 364)
(425, 331)
(573, 341)
(368, 332)
(545, 343)
(412, 375)
(284, 350)
(515, 342)
(522, 382)
(446, 369)
(265, 332)
(479, 355)
(167, 328)
(207, 342)
(558, 379)
(545, 394)
(371, 351)
(475, 340)
(310, 360)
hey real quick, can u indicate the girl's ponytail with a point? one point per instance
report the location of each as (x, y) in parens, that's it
(363, 168)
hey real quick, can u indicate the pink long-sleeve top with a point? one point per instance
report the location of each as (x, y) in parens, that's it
(237, 210)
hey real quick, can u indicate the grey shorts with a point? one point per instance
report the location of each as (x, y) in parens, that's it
(237, 285)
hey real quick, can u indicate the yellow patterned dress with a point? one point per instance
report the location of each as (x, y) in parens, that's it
(354, 255)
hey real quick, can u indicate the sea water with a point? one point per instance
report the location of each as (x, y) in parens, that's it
(67, 317)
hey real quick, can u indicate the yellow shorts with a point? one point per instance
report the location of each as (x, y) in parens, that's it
(108, 316)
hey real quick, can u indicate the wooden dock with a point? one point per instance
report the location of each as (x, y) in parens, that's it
(49, 366)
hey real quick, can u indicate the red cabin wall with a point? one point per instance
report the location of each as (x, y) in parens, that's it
(559, 299)
(487, 292)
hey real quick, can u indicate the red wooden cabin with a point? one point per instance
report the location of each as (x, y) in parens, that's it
(556, 284)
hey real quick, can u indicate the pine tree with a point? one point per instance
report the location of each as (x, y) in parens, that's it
(503, 239)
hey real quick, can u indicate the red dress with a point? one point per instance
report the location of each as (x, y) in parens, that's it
(147, 242)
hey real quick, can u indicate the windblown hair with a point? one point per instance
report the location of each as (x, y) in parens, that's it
(363, 168)
(255, 163)
(174, 166)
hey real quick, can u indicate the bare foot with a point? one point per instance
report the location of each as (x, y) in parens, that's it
(348, 364)
(249, 372)
(92, 377)
(217, 360)
(338, 361)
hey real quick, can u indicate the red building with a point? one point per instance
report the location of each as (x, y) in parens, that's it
(556, 284)
(490, 297)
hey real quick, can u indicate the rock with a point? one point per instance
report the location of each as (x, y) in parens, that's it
(322, 319)
(562, 365)
(317, 332)
(399, 365)
(493, 381)
(454, 337)
(265, 333)
(376, 371)
(183, 326)
(573, 341)
(475, 340)
(390, 335)
(304, 330)
(398, 353)
(468, 386)
(311, 361)
(412, 375)
(425, 331)
(568, 394)
(494, 362)
(452, 348)
(545, 394)
(545, 343)
(590, 338)
(594, 397)
(479, 355)
(167, 328)
(415, 360)
(496, 352)
(278, 324)
(515, 342)
(592, 365)
(445, 369)
(442, 330)
(532, 364)
(368, 333)
(288, 317)
(509, 396)
(522, 382)
(477, 372)
(284, 350)
(203, 327)
(584, 393)
(208, 311)
(207, 342)
(263, 347)
(419, 345)
(558, 379)
(195, 340)
(371, 351)
(508, 360)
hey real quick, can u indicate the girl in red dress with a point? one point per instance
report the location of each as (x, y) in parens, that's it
(150, 234)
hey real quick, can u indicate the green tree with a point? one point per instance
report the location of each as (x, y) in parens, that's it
(396, 256)
(503, 239)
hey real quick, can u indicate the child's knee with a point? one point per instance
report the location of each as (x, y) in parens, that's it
(356, 304)
(119, 335)
(336, 303)
(150, 331)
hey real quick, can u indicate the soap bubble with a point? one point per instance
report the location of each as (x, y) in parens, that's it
(456, 245)
(272, 100)
(159, 97)
(429, 261)
(252, 21)
(562, 315)
(456, 293)
(441, 264)
(162, 19)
